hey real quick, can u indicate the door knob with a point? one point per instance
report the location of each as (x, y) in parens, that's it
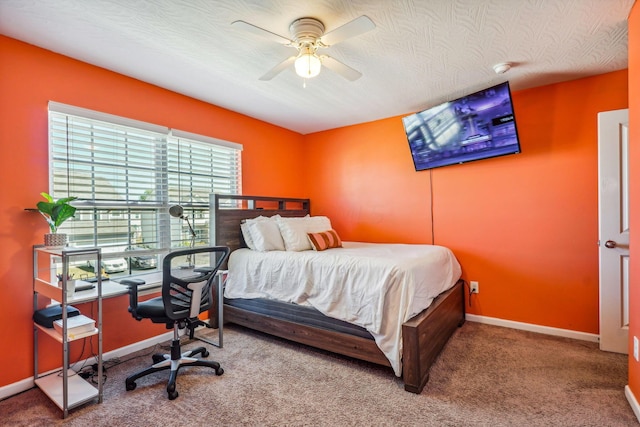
(610, 244)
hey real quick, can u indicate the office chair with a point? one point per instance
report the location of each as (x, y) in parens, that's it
(186, 293)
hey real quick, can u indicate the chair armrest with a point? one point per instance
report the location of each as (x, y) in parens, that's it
(203, 270)
(133, 284)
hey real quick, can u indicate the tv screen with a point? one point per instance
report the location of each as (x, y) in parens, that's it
(474, 127)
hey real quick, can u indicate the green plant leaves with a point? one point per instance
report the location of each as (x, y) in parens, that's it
(56, 212)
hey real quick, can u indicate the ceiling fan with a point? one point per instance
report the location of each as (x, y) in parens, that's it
(308, 36)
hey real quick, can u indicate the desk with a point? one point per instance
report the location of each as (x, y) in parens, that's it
(70, 391)
(113, 288)
(153, 283)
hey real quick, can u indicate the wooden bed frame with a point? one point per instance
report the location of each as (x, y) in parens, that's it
(424, 336)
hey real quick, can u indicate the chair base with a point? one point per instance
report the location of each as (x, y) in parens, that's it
(174, 362)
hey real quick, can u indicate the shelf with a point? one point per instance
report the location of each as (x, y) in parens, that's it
(47, 289)
(58, 336)
(65, 388)
(65, 250)
(79, 390)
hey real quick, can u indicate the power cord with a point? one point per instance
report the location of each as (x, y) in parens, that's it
(86, 374)
(83, 367)
(470, 290)
(91, 372)
(433, 232)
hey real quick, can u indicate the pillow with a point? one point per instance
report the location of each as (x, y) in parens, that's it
(265, 235)
(294, 230)
(324, 240)
(244, 227)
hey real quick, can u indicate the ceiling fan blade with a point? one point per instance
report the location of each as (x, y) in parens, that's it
(341, 68)
(278, 68)
(351, 29)
(245, 26)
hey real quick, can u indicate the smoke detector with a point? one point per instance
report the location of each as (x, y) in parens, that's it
(502, 67)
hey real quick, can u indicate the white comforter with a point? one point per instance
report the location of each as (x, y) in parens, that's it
(376, 286)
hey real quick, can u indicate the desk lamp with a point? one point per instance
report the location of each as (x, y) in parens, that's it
(177, 211)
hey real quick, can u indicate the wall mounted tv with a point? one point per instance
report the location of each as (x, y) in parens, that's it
(477, 126)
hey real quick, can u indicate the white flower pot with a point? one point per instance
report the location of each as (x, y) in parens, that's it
(71, 288)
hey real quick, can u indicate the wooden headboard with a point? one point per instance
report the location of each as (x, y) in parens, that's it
(230, 210)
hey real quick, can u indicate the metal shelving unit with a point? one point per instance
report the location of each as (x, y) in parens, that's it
(66, 389)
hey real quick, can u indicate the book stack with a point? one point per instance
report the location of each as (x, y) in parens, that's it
(77, 326)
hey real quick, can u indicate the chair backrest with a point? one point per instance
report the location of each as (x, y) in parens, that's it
(186, 289)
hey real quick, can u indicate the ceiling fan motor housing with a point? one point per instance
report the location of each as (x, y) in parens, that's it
(306, 30)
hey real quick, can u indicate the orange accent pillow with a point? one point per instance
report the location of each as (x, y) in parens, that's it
(325, 240)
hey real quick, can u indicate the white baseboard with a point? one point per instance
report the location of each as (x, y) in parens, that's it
(15, 388)
(23, 385)
(633, 402)
(533, 328)
(140, 345)
(28, 383)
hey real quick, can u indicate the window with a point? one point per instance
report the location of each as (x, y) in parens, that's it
(127, 174)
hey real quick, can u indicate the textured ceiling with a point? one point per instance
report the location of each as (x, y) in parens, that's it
(421, 53)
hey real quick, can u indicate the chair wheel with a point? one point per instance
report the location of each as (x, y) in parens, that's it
(205, 353)
(130, 385)
(157, 358)
(219, 371)
(172, 394)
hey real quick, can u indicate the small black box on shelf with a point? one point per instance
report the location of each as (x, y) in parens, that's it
(94, 279)
(46, 316)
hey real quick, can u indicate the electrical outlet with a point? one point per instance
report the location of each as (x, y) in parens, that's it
(635, 349)
(475, 287)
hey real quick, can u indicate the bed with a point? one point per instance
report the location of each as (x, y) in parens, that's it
(421, 338)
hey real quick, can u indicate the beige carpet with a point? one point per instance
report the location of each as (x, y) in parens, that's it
(486, 376)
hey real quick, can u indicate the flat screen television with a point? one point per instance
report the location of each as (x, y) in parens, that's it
(477, 126)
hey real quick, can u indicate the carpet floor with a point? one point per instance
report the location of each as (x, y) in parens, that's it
(486, 376)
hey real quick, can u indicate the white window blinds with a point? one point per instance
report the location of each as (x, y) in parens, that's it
(126, 174)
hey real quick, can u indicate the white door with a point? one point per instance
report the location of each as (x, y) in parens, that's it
(613, 214)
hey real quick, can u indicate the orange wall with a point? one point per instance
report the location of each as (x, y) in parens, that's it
(29, 78)
(525, 226)
(634, 179)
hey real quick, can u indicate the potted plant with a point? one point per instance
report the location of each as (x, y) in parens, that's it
(56, 212)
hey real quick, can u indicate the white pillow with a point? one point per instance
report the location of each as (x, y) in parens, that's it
(244, 227)
(265, 235)
(294, 230)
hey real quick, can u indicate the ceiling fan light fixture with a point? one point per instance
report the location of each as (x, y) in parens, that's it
(307, 36)
(308, 65)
